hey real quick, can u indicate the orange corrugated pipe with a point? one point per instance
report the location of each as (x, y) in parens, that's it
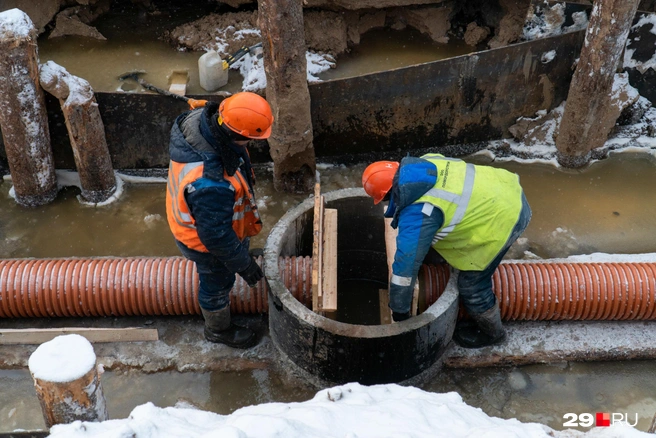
(127, 286)
(550, 291)
(169, 286)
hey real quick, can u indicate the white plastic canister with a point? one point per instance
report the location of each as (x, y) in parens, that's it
(210, 69)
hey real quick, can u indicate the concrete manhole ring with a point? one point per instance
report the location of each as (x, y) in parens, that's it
(339, 352)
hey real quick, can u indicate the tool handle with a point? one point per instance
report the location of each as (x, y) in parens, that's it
(158, 90)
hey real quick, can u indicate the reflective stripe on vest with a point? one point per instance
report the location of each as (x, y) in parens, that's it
(245, 219)
(182, 217)
(481, 206)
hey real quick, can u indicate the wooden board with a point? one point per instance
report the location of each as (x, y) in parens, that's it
(329, 261)
(316, 249)
(39, 336)
(385, 313)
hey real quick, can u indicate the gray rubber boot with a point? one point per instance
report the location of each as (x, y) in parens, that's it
(486, 331)
(220, 330)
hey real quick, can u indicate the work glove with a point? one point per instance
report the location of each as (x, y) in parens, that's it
(252, 274)
(196, 103)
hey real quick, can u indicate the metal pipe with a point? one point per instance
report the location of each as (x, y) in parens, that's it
(169, 286)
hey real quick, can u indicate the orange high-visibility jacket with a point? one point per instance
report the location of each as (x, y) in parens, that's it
(245, 220)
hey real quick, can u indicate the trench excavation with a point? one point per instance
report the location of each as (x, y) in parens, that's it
(542, 291)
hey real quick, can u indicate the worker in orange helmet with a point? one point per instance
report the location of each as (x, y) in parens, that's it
(210, 202)
(469, 214)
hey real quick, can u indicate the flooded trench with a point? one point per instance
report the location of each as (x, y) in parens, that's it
(608, 207)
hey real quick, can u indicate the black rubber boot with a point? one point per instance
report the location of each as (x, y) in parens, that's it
(485, 329)
(220, 330)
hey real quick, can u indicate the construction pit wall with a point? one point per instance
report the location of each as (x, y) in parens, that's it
(476, 98)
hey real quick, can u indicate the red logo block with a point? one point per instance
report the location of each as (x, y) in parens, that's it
(603, 419)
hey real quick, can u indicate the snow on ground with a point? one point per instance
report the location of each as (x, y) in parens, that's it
(535, 137)
(629, 61)
(347, 411)
(251, 67)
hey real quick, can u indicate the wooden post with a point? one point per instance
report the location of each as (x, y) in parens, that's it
(67, 381)
(23, 117)
(290, 144)
(587, 120)
(317, 266)
(85, 130)
(329, 261)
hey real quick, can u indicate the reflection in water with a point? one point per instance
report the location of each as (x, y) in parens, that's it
(609, 207)
(544, 393)
(536, 393)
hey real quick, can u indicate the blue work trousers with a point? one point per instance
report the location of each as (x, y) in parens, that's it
(216, 280)
(475, 287)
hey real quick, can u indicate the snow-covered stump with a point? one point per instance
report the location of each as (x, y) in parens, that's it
(67, 381)
(23, 116)
(291, 142)
(86, 131)
(588, 116)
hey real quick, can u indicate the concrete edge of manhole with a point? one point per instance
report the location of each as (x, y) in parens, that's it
(339, 352)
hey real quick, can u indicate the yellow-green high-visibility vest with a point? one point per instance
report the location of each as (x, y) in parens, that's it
(481, 206)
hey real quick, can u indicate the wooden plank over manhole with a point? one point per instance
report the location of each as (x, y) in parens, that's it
(39, 336)
(317, 249)
(329, 261)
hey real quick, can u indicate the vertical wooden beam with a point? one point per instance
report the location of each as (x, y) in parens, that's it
(23, 116)
(587, 119)
(291, 141)
(85, 130)
(329, 261)
(317, 229)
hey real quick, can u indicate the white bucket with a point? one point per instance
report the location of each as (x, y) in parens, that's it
(212, 74)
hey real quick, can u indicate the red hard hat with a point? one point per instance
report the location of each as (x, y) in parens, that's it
(247, 114)
(377, 179)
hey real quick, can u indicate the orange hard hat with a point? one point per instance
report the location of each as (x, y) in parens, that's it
(247, 114)
(377, 179)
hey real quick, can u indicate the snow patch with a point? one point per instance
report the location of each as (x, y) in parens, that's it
(346, 411)
(15, 24)
(66, 358)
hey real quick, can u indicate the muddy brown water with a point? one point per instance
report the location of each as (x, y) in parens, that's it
(536, 393)
(609, 207)
(135, 44)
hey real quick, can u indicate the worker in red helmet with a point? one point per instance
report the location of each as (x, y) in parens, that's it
(469, 214)
(210, 203)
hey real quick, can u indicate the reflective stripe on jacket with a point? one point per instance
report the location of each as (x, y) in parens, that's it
(481, 206)
(245, 220)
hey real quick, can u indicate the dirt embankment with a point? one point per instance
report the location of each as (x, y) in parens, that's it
(325, 31)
